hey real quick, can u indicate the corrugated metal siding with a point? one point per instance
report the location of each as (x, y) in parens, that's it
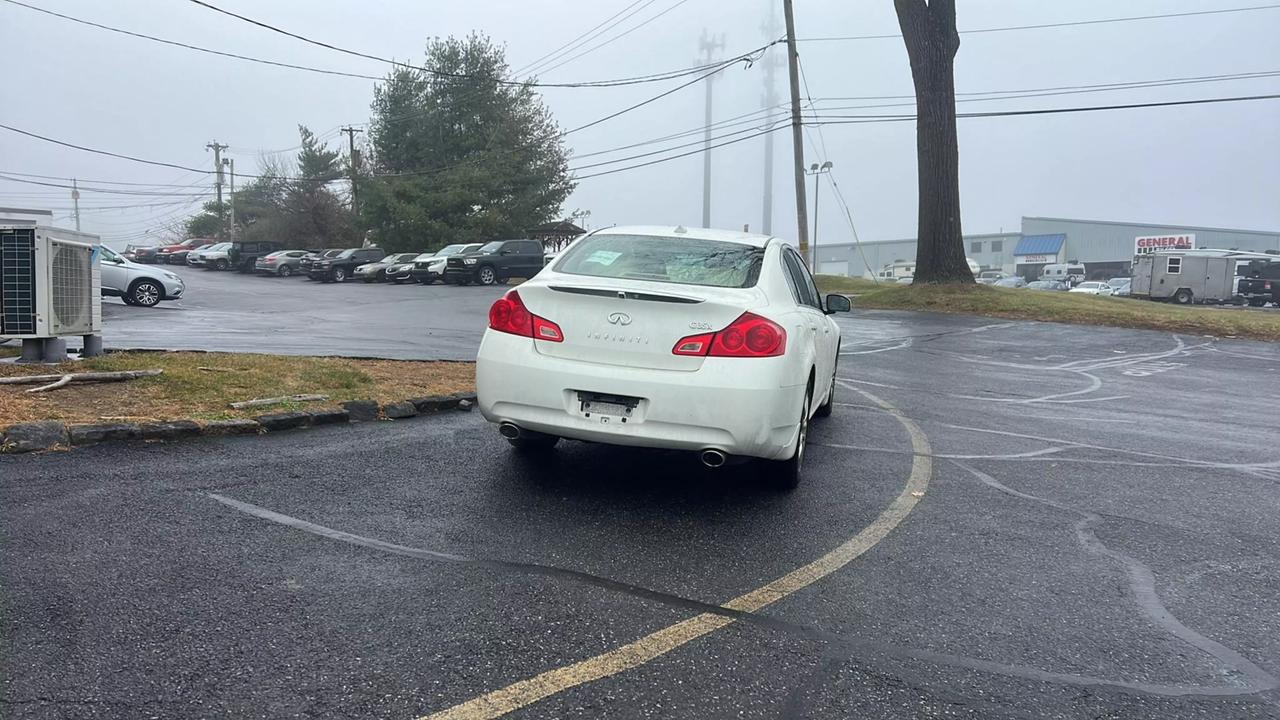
(1095, 241)
(1040, 244)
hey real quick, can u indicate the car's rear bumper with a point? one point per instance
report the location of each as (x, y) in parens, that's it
(717, 406)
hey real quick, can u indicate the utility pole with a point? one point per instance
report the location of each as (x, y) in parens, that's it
(217, 167)
(770, 100)
(75, 201)
(797, 137)
(353, 165)
(231, 232)
(707, 46)
(815, 170)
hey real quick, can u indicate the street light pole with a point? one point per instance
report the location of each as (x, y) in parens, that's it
(815, 170)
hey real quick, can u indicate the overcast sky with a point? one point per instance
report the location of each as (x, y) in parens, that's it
(1215, 165)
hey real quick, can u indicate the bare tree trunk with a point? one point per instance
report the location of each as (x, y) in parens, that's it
(929, 32)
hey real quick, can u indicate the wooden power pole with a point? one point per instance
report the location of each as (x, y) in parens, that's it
(797, 131)
(353, 166)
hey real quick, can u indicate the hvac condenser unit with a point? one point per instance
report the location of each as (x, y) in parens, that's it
(50, 283)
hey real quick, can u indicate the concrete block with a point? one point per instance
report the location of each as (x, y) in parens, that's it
(397, 411)
(29, 437)
(104, 432)
(275, 422)
(329, 417)
(231, 427)
(170, 430)
(361, 410)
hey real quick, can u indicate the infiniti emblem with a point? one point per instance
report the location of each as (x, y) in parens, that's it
(619, 318)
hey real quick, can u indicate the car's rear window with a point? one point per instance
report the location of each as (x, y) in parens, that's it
(686, 261)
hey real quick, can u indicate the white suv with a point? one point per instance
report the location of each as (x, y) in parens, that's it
(137, 284)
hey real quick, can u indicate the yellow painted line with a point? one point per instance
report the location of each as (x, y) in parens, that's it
(526, 692)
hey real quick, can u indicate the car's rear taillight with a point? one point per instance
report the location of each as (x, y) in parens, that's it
(748, 336)
(509, 315)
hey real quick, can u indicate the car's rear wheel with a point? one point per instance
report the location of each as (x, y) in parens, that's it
(146, 293)
(785, 474)
(486, 275)
(824, 410)
(339, 275)
(285, 271)
(221, 265)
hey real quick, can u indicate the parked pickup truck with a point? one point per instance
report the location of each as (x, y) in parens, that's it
(1260, 283)
(495, 262)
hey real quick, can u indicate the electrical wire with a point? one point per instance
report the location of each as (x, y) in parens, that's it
(854, 119)
(579, 40)
(617, 82)
(676, 157)
(1041, 26)
(613, 39)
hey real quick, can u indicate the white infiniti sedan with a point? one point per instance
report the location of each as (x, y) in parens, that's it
(688, 339)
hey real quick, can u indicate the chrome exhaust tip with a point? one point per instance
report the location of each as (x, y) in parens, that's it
(510, 431)
(713, 458)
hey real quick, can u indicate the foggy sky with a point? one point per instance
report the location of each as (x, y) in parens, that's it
(1215, 165)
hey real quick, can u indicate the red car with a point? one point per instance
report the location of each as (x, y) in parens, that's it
(177, 254)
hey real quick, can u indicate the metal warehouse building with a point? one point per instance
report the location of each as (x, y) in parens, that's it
(1106, 248)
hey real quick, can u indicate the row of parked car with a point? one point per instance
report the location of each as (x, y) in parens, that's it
(1115, 287)
(461, 264)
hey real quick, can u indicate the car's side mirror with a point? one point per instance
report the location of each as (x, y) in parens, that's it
(838, 303)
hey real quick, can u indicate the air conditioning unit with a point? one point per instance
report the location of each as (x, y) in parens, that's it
(50, 283)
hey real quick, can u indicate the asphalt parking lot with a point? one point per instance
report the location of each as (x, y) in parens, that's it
(295, 316)
(1000, 520)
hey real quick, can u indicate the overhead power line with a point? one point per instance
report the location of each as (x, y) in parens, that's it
(849, 119)
(811, 119)
(109, 191)
(583, 38)
(1041, 26)
(617, 82)
(613, 39)
(442, 73)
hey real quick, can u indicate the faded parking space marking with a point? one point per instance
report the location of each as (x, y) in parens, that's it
(526, 692)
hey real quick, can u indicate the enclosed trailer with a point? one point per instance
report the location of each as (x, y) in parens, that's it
(1184, 278)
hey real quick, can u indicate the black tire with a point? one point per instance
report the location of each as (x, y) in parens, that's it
(339, 275)
(785, 474)
(146, 293)
(1257, 302)
(486, 275)
(128, 300)
(221, 264)
(285, 271)
(1183, 296)
(824, 410)
(531, 443)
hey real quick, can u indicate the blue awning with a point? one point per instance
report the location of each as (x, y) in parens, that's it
(1040, 244)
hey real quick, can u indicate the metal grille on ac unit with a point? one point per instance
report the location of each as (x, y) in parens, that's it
(72, 287)
(17, 281)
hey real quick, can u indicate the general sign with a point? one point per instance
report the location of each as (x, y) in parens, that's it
(1152, 243)
(1029, 259)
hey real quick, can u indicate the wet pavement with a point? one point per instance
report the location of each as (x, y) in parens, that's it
(1000, 520)
(235, 312)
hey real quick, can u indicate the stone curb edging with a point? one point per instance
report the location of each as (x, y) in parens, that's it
(51, 434)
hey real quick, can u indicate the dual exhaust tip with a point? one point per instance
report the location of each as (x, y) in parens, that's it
(710, 457)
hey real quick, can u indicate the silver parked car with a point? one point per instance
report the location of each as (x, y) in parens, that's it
(377, 271)
(1053, 285)
(282, 263)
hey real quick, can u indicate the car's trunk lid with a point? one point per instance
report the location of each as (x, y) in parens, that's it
(632, 323)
